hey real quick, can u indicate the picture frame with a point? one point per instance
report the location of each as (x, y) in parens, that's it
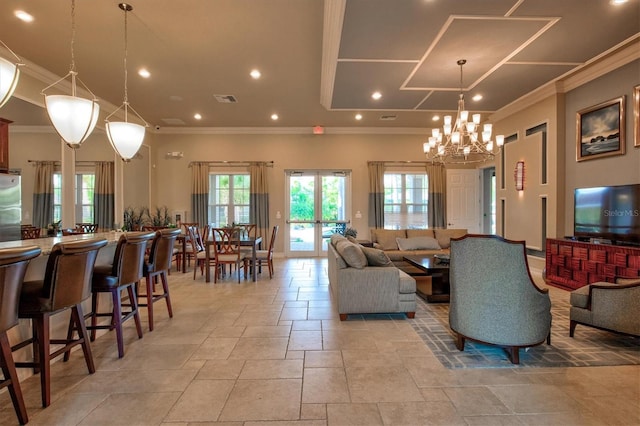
(636, 116)
(600, 130)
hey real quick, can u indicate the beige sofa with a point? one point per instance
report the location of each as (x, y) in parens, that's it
(367, 283)
(398, 243)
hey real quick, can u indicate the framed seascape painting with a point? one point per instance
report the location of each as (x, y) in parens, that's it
(600, 130)
(636, 116)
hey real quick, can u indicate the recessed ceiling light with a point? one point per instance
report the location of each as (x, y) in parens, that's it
(23, 16)
(477, 98)
(618, 2)
(358, 117)
(274, 117)
(376, 95)
(435, 117)
(197, 116)
(144, 73)
(255, 74)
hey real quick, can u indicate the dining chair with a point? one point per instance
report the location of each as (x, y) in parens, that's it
(65, 285)
(226, 251)
(29, 232)
(13, 266)
(120, 276)
(87, 228)
(265, 256)
(157, 265)
(195, 248)
(247, 230)
(185, 240)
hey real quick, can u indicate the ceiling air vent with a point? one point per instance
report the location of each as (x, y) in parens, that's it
(226, 99)
(388, 117)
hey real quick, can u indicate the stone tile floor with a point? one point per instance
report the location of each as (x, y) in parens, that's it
(275, 353)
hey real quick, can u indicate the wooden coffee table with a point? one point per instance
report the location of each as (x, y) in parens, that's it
(439, 273)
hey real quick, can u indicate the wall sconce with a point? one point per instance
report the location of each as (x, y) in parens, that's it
(518, 175)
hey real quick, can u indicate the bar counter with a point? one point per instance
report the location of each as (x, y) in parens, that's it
(46, 243)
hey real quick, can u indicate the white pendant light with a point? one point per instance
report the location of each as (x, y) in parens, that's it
(125, 138)
(73, 117)
(9, 76)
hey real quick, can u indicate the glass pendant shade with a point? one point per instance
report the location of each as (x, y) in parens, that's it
(73, 118)
(125, 138)
(9, 75)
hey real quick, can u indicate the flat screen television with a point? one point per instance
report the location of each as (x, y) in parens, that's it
(608, 212)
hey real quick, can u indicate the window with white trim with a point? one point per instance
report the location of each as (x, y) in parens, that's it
(406, 197)
(84, 189)
(228, 198)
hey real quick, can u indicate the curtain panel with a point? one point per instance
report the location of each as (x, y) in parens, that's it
(437, 175)
(103, 196)
(376, 195)
(43, 194)
(259, 199)
(200, 192)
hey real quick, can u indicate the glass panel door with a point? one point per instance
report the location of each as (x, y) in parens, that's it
(317, 208)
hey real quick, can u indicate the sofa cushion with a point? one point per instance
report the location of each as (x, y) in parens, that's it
(418, 243)
(420, 233)
(351, 253)
(444, 236)
(386, 238)
(335, 238)
(376, 257)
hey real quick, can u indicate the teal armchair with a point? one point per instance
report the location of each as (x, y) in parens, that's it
(493, 297)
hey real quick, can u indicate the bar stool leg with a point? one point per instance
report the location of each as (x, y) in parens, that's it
(42, 329)
(9, 372)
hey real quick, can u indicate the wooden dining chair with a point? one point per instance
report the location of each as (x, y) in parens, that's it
(29, 232)
(87, 228)
(226, 251)
(265, 256)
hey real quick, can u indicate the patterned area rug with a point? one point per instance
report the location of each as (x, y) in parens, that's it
(589, 347)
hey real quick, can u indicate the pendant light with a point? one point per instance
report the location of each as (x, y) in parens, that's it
(125, 137)
(73, 117)
(9, 76)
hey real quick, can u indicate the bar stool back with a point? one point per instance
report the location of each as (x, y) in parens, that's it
(66, 283)
(13, 265)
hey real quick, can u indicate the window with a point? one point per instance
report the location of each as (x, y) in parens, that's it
(405, 200)
(84, 187)
(228, 199)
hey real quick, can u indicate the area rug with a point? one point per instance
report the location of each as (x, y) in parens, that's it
(589, 347)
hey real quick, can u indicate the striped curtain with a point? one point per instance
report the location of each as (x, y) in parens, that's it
(437, 195)
(259, 199)
(43, 194)
(376, 195)
(200, 192)
(103, 196)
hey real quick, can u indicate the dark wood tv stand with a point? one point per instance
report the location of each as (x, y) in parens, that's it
(572, 264)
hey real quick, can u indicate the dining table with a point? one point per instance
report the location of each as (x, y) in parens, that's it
(245, 241)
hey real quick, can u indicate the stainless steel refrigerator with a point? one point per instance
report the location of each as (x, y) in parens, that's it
(10, 207)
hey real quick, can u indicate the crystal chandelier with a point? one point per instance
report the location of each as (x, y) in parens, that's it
(462, 142)
(9, 76)
(73, 117)
(125, 137)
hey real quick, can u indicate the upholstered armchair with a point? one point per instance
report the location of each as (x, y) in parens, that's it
(607, 306)
(493, 297)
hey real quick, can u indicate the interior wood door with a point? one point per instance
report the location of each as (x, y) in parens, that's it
(463, 199)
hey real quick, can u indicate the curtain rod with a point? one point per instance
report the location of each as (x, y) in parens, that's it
(58, 163)
(232, 163)
(402, 163)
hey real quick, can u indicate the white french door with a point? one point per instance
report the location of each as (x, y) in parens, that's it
(317, 206)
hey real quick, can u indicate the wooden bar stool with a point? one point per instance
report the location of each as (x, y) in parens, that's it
(122, 275)
(158, 265)
(66, 283)
(13, 265)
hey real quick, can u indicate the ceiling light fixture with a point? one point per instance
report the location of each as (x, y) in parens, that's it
(144, 73)
(458, 142)
(376, 95)
(23, 16)
(73, 117)
(255, 74)
(125, 137)
(358, 117)
(274, 117)
(197, 116)
(9, 76)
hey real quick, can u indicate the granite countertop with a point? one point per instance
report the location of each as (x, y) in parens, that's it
(46, 243)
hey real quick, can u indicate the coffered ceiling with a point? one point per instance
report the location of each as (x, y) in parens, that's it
(320, 60)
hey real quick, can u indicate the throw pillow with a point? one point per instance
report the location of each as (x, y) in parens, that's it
(444, 236)
(387, 238)
(351, 253)
(376, 257)
(335, 238)
(418, 243)
(352, 239)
